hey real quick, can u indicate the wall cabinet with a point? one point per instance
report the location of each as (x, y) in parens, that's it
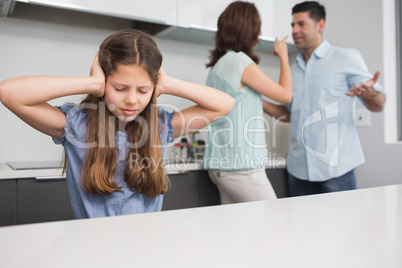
(181, 20)
(197, 22)
(155, 11)
(205, 14)
(200, 13)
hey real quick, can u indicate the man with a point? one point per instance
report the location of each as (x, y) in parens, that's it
(324, 148)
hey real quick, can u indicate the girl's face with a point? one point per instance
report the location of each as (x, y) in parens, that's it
(128, 91)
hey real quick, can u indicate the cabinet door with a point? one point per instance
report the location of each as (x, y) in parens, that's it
(278, 179)
(163, 12)
(282, 18)
(8, 195)
(205, 14)
(200, 13)
(265, 9)
(183, 192)
(43, 201)
(209, 193)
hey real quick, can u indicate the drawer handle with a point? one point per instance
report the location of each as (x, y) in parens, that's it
(50, 178)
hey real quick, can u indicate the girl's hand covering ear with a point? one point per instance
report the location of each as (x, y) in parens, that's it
(160, 85)
(98, 74)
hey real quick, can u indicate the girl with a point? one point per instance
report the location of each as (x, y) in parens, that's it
(237, 151)
(113, 139)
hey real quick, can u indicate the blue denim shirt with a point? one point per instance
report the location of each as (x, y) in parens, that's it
(123, 202)
(324, 142)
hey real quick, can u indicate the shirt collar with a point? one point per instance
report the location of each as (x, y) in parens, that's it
(319, 52)
(322, 49)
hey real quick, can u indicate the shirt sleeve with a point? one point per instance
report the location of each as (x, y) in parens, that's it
(359, 72)
(75, 127)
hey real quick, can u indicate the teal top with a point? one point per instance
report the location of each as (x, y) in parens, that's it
(238, 140)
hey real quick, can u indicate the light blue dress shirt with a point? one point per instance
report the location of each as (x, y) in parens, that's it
(238, 140)
(324, 142)
(123, 202)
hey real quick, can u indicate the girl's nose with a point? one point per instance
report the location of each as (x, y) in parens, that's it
(131, 98)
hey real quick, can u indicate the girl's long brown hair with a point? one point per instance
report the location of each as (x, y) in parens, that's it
(143, 172)
(239, 27)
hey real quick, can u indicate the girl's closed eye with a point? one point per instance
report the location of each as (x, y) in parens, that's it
(120, 89)
(144, 90)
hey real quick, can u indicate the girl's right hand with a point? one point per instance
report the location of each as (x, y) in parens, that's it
(98, 74)
(280, 47)
(160, 86)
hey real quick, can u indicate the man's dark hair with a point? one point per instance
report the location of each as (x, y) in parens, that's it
(315, 9)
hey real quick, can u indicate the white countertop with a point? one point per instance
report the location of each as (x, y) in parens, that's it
(6, 172)
(359, 229)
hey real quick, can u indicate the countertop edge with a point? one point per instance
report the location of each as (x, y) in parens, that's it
(6, 172)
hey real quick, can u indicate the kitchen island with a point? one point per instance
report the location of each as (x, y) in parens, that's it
(359, 228)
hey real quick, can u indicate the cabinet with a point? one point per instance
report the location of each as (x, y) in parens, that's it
(189, 190)
(195, 189)
(200, 13)
(197, 22)
(279, 181)
(29, 200)
(180, 20)
(8, 205)
(42, 201)
(156, 11)
(281, 19)
(205, 14)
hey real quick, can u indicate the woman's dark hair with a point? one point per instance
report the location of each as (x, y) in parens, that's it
(239, 27)
(316, 11)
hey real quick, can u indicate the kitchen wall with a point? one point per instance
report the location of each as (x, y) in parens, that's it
(65, 45)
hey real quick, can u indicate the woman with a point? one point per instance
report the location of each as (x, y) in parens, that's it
(237, 154)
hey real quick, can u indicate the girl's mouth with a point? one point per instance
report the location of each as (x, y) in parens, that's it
(128, 111)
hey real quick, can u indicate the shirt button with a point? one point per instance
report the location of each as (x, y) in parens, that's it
(218, 174)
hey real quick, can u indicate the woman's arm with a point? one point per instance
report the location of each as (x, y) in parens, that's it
(276, 111)
(258, 81)
(27, 97)
(211, 104)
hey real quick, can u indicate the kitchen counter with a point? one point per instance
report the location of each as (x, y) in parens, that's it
(6, 172)
(360, 228)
